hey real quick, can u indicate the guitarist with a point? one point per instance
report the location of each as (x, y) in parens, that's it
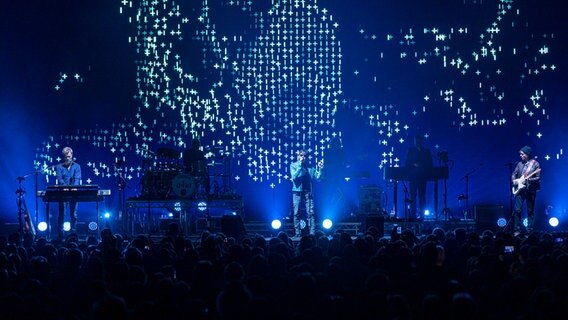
(526, 182)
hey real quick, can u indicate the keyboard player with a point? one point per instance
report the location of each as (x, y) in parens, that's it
(68, 173)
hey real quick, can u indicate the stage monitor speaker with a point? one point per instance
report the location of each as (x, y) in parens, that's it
(377, 221)
(233, 226)
(487, 216)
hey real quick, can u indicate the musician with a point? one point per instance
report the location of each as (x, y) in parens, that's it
(67, 173)
(526, 182)
(302, 189)
(195, 163)
(418, 161)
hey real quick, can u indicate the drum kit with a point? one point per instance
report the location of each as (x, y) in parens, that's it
(166, 177)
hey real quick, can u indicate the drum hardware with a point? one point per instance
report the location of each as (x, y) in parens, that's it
(157, 184)
(220, 174)
(168, 153)
(183, 185)
(165, 177)
(164, 159)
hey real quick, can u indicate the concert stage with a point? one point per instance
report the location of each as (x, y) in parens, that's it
(226, 214)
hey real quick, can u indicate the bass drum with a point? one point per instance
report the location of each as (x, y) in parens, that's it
(183, 185)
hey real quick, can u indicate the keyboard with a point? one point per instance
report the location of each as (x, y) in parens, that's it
(79, 193)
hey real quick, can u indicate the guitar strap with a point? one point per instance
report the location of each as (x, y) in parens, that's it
(528, 168)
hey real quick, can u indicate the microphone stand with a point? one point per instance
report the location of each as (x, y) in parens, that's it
(407, 202)
(443, 162)
(466, 195)
(121, 183)
(511, 196)
(22, 208)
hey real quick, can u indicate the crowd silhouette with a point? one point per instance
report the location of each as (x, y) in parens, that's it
(454, 274)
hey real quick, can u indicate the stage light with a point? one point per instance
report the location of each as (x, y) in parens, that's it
(177, 206)
(93, 226)
(327, 223)
(170, 215)
(501, 222)
(66, 226)
(553, 222)
(202, 206)
(276, 224)
(42, 226)
(106, 215)
(428, 214)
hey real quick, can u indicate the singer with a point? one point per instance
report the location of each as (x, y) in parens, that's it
(525, 180)
(68, 173)
(302, 190)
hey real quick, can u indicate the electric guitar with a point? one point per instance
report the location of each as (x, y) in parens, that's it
(520, 183)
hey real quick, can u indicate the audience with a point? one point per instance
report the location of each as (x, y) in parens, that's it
(444, 274)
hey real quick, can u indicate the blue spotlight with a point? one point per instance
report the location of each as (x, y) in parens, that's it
(501, 222)
(170, 214)
(276, 224)
(553, 222)
(177, 206)
(66, 226)
(202, 206)
(327, 223)
(428, 215)
(42, 226)
(93, 226)
(106, 215)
